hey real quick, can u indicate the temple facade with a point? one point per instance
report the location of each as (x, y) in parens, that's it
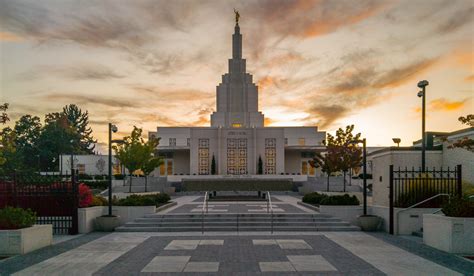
(237, 139)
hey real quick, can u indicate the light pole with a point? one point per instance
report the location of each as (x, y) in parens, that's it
(112, 128)
(422, 84)
(397, 141)
(364, 161)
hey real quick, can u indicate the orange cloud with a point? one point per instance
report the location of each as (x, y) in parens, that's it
(469, 78)
(446, 105)
(6, 36)
(268, 121)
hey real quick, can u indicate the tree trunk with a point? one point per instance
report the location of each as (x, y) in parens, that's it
(350, 177)
(328, 182)
(146, 182)
(344, 181)
(130, 187)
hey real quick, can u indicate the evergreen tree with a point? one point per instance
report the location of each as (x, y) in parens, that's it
(79, 121)
(260, 165)
(213, 165)
(27, 132)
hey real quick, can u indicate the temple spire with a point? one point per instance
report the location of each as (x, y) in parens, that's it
(237, 39)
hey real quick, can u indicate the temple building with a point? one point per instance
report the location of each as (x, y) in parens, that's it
(237, 138)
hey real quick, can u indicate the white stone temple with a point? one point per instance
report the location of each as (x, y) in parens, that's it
(237, 137)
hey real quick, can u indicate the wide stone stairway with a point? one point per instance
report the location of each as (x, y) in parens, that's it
(236, 222)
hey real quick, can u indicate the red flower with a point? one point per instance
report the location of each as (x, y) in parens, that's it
(85, 195)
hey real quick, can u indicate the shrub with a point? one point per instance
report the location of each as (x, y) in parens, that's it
(313, 198)
(16, 218)
(85, 195)
(100, 185)
(99, 201)
(143, 200)
(119, 176)
(459, 208)
(85, 177)
(340, 200)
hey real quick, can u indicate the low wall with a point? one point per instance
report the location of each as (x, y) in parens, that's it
(129, 213)
(450, 234)
(408, 221)
(348, 213)
(86, 217)
(295, 178)
(22, 241)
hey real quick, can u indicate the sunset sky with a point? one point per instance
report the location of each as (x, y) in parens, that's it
(324, 63)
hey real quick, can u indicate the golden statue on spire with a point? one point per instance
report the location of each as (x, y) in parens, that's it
(237, 16)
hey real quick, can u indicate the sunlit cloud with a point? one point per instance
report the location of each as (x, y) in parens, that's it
(443, 104)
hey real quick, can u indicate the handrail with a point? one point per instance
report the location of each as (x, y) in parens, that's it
(269, 203)
(419, 203)
(204, 207)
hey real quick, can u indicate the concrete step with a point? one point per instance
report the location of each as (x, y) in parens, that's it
(234, 229)
(218, 223)
(266, 219)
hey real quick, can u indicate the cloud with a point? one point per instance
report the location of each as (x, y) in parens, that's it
(398, 76)
(76, 72)
(327, 114)
(459, 19)
(469, 78)
(268, 121)
(443, 104)
(82, 99)
(161, 94)
(10, 37)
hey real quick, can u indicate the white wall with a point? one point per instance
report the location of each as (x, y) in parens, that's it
(90, 161)
(458, 156)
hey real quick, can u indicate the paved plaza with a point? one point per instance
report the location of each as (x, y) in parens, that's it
(227, 253)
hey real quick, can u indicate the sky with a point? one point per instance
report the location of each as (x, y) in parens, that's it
(325, 62)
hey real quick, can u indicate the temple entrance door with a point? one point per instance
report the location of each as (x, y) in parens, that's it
(162, 169)
(169, 167)
(304, 167)
(311, 170)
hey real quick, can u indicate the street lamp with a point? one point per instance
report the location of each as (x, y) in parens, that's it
(422, 94)
(397, 141)
(112, 128)
(364, 160)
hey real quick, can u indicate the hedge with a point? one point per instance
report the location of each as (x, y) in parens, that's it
(237, 185)
(323, 199)
(16, 218)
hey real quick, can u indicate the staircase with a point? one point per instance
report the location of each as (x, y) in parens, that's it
(236, 222)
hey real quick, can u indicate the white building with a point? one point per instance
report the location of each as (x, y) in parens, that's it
(237, 137)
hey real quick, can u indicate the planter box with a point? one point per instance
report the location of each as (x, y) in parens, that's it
(450, 234)
(22, 241)
(348, 213)
(86, 217)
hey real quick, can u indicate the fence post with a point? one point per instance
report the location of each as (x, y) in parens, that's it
(459, 180)
(390, 197)
(75, 200)
(14, 188)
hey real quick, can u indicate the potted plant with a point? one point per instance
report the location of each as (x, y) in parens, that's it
(369, 222)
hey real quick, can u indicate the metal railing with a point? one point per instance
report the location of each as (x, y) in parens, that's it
(419, 203)
(205, 208)
(270, 209)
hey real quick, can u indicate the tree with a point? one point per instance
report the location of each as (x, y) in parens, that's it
(260, 165)
(348, 153)
(213, 165)
(131, 152)
(80, 122)
(3, 115)
(327, 162)
(27, 132)
(150, 161)
(465, 143)
(9, 160)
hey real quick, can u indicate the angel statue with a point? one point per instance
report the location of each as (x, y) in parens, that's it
(237, 16)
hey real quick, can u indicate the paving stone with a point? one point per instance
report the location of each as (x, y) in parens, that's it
(182, 245)
(275, 266)
(310, 263)
(167, 264)
(202, 267)
(264, 242)
(293, 244)
(211, 242)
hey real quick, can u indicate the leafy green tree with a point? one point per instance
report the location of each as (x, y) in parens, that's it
(327, 162)
(348, 153)
(3, 115)
(150, 161)
(79, 121)
(27, 132)
(9, 159)
(465, 143)
(260, 165)
(131, 152)
(213, 165)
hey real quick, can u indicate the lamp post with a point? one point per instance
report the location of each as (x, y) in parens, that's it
(422, 84)
(364, 161)
(112, 128)
(397, 141)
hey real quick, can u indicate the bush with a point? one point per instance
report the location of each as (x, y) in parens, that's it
(237, 185)
(85, 196)
(314, 198)
(100, 185)
(119, 176)
(462, 208)
(340, 200)
(143, 200)
(99, 201)
(16, 218)
(84, 177)
(100, 177)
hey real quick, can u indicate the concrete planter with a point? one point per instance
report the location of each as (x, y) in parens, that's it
(347, 213)
(86, 217)
(450, 234)
(369, 222)
(22, 241)
(106, 223)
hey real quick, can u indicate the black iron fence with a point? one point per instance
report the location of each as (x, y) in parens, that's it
(410, 186)
(53, 198)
